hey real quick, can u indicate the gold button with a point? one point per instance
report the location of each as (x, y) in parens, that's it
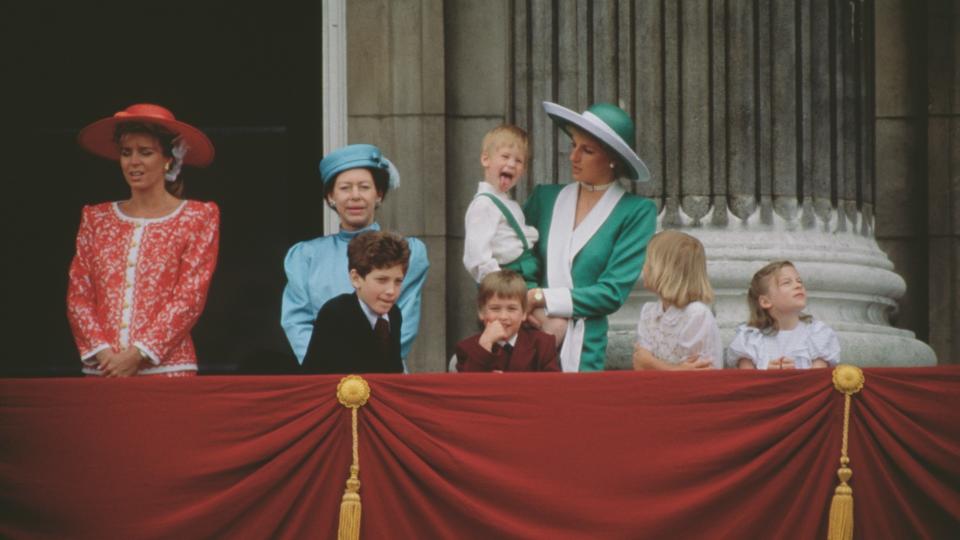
(123, 325)
(126, 305)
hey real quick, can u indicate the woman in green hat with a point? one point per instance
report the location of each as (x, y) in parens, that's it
(593, 234)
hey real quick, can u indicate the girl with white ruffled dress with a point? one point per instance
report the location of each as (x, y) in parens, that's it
(678, 331)
(779, 335)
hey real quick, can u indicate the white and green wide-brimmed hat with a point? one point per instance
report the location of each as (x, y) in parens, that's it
(611, 125)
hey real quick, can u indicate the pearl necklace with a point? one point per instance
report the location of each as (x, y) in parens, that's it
(596, 187)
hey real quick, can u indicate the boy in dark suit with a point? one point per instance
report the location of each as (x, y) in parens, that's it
(359, 332)
(505, 344)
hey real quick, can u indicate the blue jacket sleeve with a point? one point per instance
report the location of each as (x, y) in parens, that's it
(297, 314)
(410, 297)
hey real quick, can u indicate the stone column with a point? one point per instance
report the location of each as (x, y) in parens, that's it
(756, 119)
(395, 74)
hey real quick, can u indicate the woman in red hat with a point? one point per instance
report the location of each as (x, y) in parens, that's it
(139, 279)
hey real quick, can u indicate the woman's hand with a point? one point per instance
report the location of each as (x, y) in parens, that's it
(121, 364)
(535, 299)
(104, 357)
(534, 321)
(819, 363)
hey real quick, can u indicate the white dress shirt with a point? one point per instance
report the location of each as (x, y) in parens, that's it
(490, 241)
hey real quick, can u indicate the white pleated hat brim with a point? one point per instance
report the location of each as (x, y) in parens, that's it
(637, 170)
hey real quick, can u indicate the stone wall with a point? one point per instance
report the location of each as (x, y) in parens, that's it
(396, 77)
(428, 78)
(918, 162)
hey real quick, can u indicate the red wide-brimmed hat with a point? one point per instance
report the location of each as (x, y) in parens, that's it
(97, 138)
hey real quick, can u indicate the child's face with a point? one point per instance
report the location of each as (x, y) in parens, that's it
(380, 288)
(504, 167)
(509, 311)
(785, 292)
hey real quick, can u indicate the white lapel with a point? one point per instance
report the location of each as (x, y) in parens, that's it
(561, 231)
(595, 219)
(563, 245)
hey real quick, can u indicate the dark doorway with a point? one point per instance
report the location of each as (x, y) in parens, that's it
(247, 73)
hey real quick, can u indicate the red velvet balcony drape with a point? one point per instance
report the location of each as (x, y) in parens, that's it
(606, 455)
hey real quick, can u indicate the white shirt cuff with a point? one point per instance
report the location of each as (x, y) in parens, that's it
(154, 359)
(559, 302)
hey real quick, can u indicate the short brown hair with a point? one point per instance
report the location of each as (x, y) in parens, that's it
(377, 250)
(676, 269)
(760, 285)
(506, 135)
(505, 284)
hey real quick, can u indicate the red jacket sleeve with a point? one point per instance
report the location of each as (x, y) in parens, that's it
(82, 295)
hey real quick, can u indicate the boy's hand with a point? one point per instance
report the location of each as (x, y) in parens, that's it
(493, 333)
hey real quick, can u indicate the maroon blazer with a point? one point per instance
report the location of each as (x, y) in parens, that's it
(534, 351)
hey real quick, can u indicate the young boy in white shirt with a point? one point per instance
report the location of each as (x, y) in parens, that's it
(496, 234)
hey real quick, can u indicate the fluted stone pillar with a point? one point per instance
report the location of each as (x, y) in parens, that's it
(756, 119)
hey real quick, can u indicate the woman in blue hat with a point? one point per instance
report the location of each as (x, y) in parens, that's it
(356, 178)
(593, 234)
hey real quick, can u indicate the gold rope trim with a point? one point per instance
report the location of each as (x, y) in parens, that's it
(353, 393)
(848, 380)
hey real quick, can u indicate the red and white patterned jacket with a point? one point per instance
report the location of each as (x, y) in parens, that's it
(142, 282)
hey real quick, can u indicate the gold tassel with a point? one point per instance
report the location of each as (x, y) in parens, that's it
(848, 380)
(352, 392)
(350, 508)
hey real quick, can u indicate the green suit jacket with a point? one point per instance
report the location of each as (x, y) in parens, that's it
(605, 269)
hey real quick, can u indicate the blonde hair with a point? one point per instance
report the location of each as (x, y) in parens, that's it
(760, 284)
(505, 135)
(676, 269)
(505, 284)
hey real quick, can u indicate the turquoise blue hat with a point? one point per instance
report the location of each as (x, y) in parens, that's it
(359, 156)
(611, 125)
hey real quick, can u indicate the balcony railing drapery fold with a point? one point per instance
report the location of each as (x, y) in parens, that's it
(601, 455)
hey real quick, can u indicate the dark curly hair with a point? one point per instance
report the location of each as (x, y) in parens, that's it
(376, 250)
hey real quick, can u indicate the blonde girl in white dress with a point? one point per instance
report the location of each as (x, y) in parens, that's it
(779, 335)
(678, 331)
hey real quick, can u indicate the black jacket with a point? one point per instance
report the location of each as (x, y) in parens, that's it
(344, 342)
